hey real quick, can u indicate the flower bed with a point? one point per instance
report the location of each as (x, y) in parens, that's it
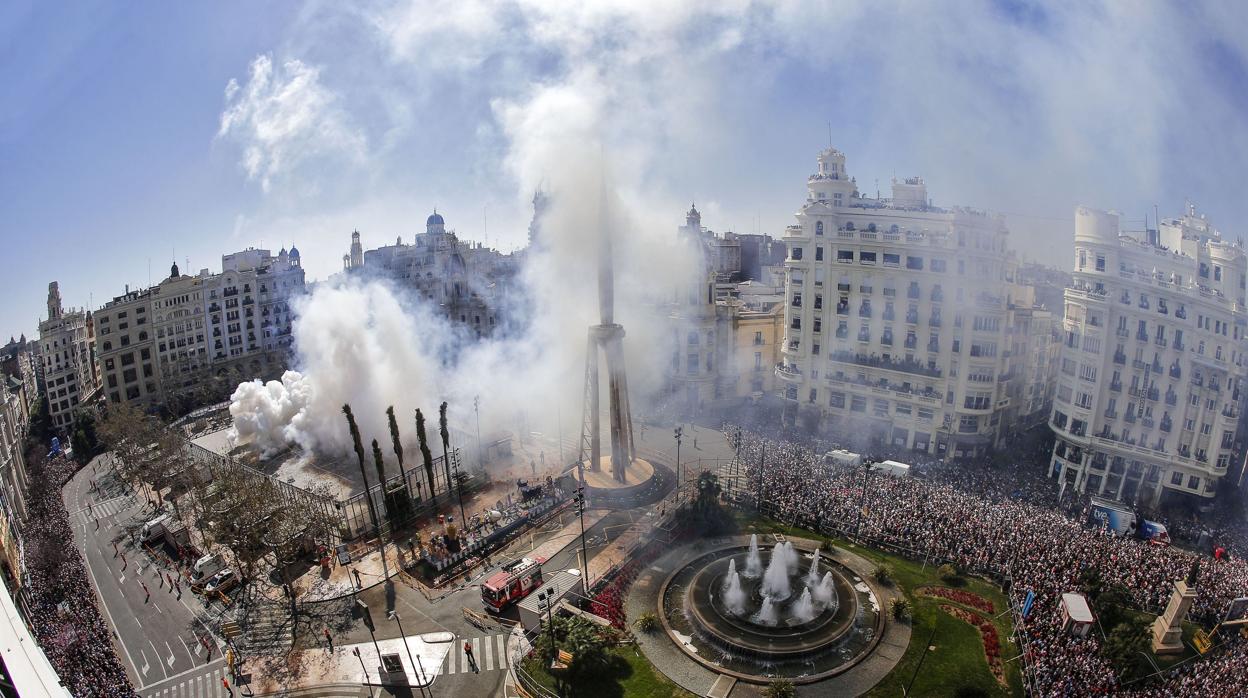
(958, 596)
(987, 632)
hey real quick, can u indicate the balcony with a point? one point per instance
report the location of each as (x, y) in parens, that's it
(842, 332)
(1171, 398)
(902, 365)
(842, 309)
(1111, 414)
(1178, 344)
(1141, 336)
(1176, 371)
(1120, 358)
(889, 314)
(934, 321)
(887, 339)
(1123, 332)
(912, 317)
(911, 341)
(788, 374)
(933, 346)
(937, 295)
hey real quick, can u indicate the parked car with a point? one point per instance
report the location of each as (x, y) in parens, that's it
(222, 582)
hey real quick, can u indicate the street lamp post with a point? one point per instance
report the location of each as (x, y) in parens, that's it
(862, 500)
(459, 489)
(394, 615)
(678, 433)
(476, 408)
(579, 503)
(360, 657)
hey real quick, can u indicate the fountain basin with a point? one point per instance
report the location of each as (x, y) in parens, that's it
(831, 639)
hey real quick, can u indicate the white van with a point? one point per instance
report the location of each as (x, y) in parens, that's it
(205, 567)
(155, 528)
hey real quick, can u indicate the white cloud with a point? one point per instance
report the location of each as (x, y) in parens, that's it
(285, 118)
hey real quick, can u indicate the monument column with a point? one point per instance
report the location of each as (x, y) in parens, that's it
(1168, 627)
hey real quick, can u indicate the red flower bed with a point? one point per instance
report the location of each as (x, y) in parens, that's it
(965, 598)
(987, 633)
(609, 600)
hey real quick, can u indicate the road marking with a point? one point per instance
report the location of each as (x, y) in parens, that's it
(487, 655)
(146, 666)
(156, 653)
(95, 586)
(171, 658)
(157, 607)
(502, 651)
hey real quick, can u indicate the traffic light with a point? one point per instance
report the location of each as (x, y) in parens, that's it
(365, 614)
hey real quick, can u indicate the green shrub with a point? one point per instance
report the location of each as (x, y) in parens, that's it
(647, 622)
(883, 574)
(900, 608)
(948, 573)
(780, 689)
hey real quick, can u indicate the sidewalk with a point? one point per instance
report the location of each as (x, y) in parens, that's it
(305, 669)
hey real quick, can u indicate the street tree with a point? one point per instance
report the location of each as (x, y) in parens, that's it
(445, 433)
(425, 454)
(359, 455)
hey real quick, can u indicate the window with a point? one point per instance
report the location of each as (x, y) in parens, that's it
(758, 339)
(891, 259)
(915, 263)
(846, 256)
(1176, 479)
(691, 364)
(796, 253)
(938, 265)
(819, 253)
(818, 227)
(1100, 262)
(866, 257)
(758, 361)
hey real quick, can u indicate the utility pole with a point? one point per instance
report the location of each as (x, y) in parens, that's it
(862, 500)
(360, 657)
(678, 434)
(459, 488)
(579, 503)
(394, 615)
(476, 407)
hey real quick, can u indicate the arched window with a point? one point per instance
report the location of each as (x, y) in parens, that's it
(818, 227)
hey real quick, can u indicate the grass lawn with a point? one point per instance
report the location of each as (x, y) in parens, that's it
(957, 666)
(629, 674)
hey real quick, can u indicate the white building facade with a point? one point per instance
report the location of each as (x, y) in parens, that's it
(1148, 394)
(896, 316)
(67, 354)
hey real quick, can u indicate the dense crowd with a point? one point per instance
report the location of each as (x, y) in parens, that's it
(63, 611)
(1006, 526)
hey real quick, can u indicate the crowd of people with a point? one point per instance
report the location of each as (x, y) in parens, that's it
(63, 611)
(1007, 525)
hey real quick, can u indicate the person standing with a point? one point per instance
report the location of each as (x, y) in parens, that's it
(472, 661)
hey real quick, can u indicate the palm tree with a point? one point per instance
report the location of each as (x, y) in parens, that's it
(446, 443)
(395, 443)
(425, 454)
(359, 454)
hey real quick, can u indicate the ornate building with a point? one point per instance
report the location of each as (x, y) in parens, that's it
(67, 355)
(1152, 366)
(897, 317)
(468, 281)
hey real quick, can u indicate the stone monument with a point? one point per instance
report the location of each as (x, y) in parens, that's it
(1168, 627)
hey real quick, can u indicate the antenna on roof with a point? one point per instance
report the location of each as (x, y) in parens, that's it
(829, 134)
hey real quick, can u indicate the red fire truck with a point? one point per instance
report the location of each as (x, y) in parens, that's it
(513, 582)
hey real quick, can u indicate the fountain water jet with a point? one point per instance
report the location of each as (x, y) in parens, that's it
(734, 597)
(790, 557)
(825, 593)
(776, 578)
(812, 577)
(803, 610)
(754, 561)
(766, 613)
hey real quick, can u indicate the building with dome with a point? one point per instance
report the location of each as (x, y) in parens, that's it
(468, 281)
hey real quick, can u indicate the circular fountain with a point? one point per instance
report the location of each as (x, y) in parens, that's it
(759, 614)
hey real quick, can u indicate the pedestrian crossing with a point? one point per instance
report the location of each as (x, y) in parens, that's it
(204, 685)
(106, 508)
(489, 651)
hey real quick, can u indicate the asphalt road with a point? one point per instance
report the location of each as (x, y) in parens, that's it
(420, 615)
(159, 634)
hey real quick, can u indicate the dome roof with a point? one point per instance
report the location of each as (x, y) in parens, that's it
(294, 251)
(435, 219)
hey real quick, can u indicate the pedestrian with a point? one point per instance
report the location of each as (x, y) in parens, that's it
(226, 685)
(358, 582)
(330, 639)
(472, 661)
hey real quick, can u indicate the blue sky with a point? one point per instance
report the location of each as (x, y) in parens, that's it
(113, 150)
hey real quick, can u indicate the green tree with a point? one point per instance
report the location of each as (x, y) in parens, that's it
(780, 688)
(883, 574)
(586, 642)
(445, 433)
(1125, 643)
(359, 455)
(83, 436)
(425, 454)
(705, 513)
(900, 608)
(396, 443)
